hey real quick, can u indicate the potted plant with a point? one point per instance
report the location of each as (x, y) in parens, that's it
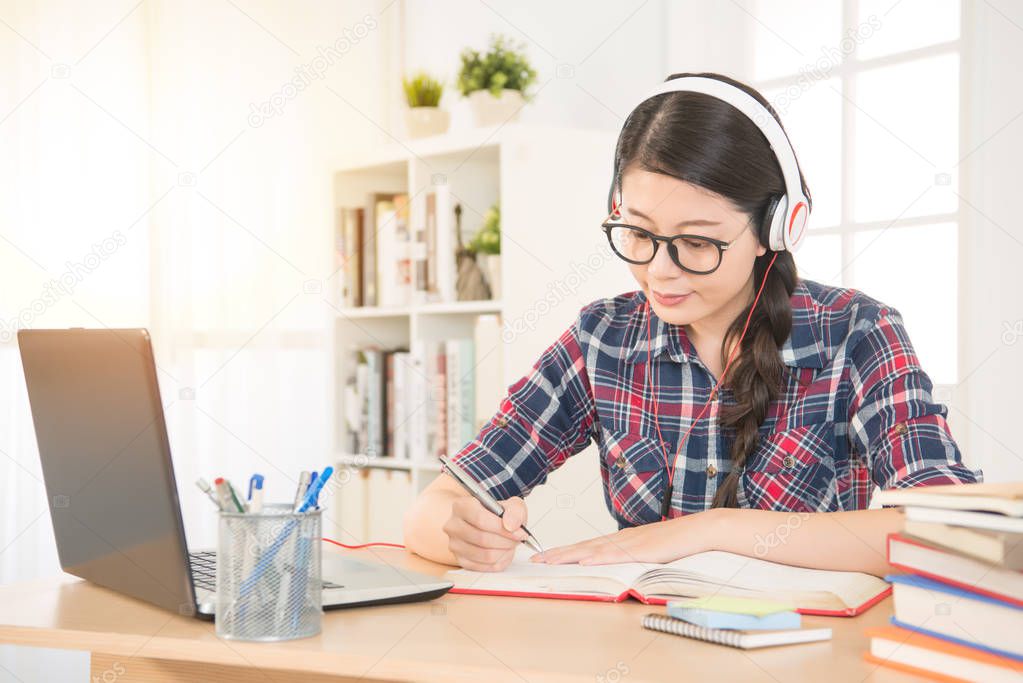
(424, 116)
(496, 82)
(486, 244)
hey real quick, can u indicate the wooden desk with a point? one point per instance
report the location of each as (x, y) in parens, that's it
(453, 638)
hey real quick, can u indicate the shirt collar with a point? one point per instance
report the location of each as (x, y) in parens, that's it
(802, 349)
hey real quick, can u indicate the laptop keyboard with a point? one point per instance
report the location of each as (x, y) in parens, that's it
(204, 571)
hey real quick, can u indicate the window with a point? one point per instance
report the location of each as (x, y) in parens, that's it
(869, 94)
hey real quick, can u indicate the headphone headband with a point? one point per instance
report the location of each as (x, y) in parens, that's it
(789, 219)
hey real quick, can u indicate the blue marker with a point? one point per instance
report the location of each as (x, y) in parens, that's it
(256, 493)
(314, 490)
(307, 502)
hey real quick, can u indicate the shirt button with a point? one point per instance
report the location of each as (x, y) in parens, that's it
(789, 461)
(621, 462)
(502, 423)
(711, 471)
(901, 428)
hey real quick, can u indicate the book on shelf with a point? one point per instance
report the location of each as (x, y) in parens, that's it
(460, 385)
(438, 359)
(365, 403)
(809, 591)
(388, 424)
(392, 254)
(370, 293)
(430, 237)
(445, 240)
(420, 403)
(348, 255)
(489, 365)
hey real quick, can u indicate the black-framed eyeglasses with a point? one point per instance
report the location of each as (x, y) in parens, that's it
(696, 254)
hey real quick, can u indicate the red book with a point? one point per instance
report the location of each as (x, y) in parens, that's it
(952, 568)
(440, 382)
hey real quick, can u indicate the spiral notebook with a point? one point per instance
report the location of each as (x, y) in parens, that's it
(744, 640)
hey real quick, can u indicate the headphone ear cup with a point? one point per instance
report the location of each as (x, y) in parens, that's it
(769, 235)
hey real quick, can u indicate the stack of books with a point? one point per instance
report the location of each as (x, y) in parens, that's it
(959, 609)
(744, 623)
(425, 402)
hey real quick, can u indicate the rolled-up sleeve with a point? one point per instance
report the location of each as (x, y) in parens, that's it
(893, 418)
(546, 417)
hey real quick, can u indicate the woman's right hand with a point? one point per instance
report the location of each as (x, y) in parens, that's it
(479, 539)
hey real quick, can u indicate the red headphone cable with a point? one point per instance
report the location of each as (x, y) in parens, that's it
(666, 500)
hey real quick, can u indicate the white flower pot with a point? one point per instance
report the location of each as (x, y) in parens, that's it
(493, 111)
(425, 121)
(492, 267)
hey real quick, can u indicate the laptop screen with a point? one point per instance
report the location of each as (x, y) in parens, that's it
(106, 461)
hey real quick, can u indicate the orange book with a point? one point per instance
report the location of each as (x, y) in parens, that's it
(941, 660)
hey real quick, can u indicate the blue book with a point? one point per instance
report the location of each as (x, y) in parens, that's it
(957, 615)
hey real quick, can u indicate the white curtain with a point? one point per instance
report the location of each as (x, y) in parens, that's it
(130, 144)
(74, 178)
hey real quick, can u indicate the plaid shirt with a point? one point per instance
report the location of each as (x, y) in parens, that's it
(855, 411)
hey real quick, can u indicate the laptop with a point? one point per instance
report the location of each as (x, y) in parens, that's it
(109, 477)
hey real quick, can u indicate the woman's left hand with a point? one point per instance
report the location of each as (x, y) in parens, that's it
(655, 542)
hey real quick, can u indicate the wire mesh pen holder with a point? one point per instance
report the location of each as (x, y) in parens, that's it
(269, 576)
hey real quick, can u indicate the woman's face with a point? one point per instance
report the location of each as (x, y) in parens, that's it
(667, 206)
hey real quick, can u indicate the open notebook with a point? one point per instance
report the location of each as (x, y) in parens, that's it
(812, 591)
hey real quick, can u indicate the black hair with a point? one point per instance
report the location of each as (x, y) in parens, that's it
(705, 141)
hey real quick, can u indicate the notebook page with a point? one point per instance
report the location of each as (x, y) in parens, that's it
(523, 575)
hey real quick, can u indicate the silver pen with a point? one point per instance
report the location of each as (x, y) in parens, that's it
(485, 499)
(303, 484)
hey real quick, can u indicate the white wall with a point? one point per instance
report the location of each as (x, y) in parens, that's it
(608, 55)
(987, 404)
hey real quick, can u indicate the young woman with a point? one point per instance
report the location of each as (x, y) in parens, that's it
(735, 406)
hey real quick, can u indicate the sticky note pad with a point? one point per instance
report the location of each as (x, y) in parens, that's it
(733, 605)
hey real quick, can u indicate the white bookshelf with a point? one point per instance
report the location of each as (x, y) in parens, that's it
(551, 184)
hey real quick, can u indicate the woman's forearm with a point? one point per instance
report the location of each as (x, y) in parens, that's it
(850, 541)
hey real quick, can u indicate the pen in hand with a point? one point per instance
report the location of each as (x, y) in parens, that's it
(485, 499)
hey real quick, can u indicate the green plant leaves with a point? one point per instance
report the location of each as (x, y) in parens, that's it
(504, 67)
(422, 90)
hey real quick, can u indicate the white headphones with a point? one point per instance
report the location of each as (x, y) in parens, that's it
(787, 214)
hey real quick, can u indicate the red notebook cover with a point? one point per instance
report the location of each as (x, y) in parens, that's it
(938, 577)
(851, 612)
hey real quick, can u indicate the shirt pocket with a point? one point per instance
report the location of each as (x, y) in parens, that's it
(792, 470)
(634, 471)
